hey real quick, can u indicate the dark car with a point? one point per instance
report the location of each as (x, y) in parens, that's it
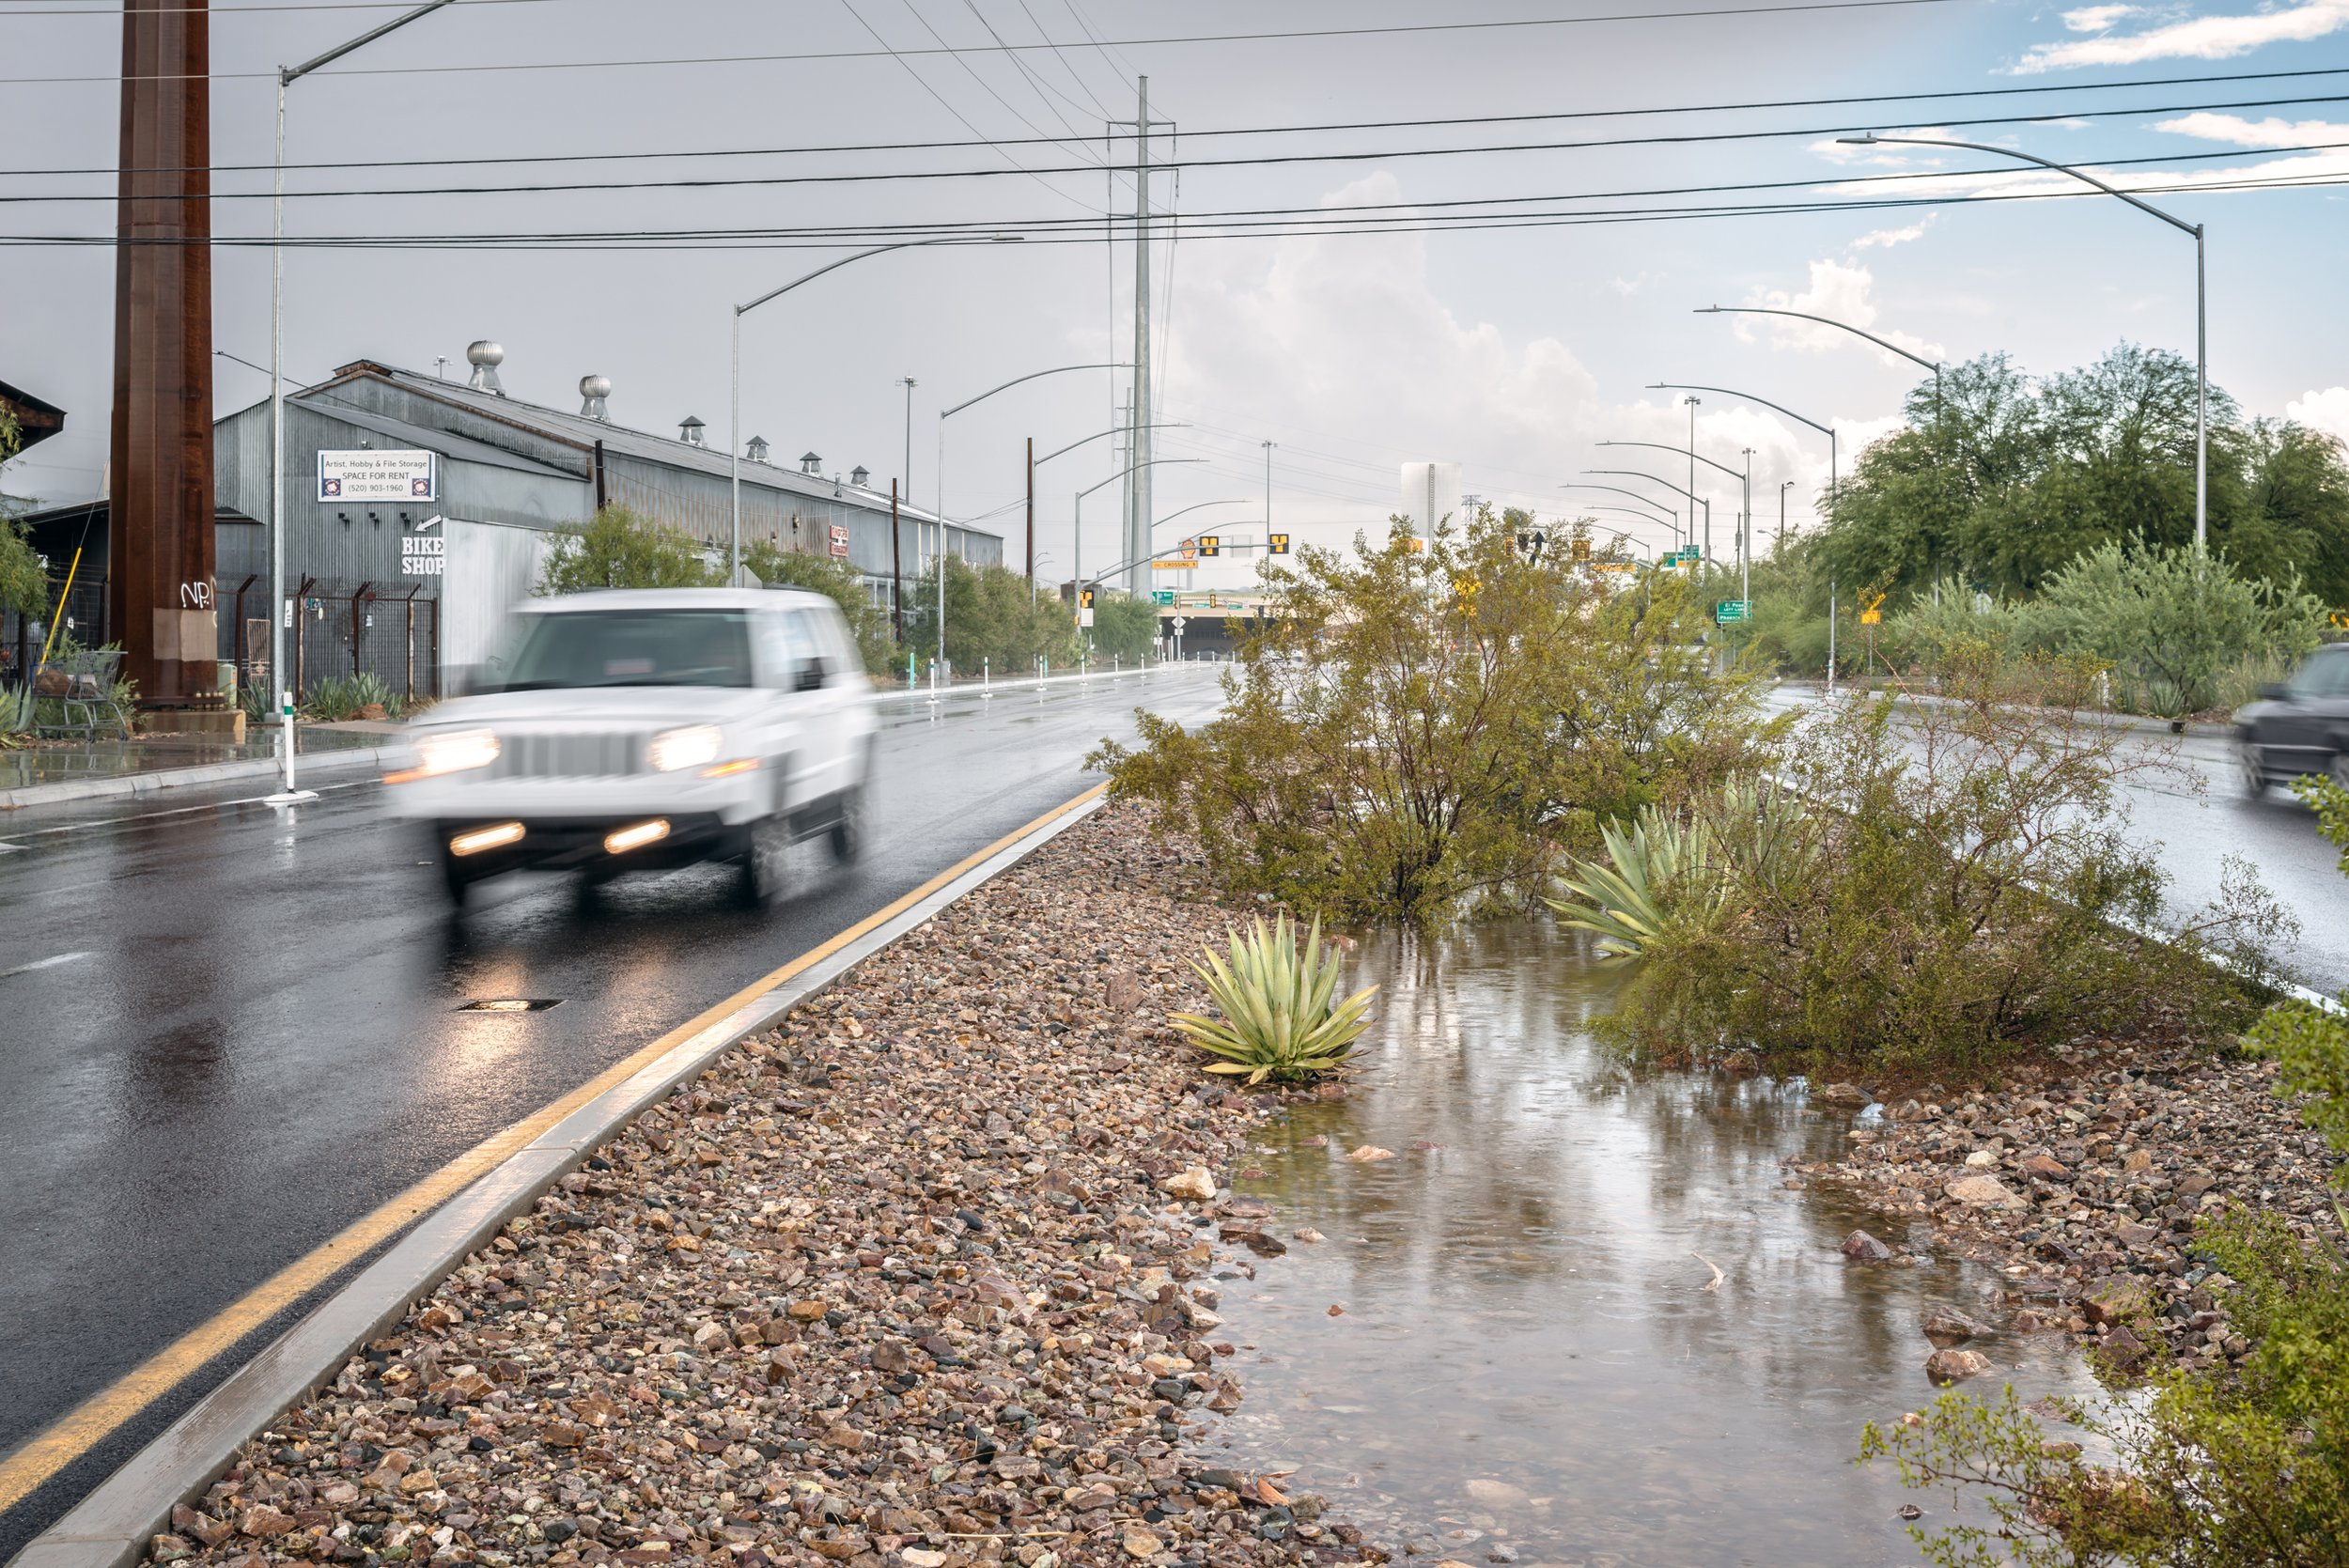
(2301, 727)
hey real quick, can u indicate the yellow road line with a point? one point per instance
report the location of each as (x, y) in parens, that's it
(90, 1423)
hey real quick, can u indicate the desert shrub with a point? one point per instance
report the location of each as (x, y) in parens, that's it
(337, 697)
(836, 581)
(619, 548)
(2169, 623)
(1282, 1018)
(1962, 887)
(2209, 1469)
(1427, 725)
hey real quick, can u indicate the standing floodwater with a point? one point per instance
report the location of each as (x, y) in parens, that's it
(1529, 1364)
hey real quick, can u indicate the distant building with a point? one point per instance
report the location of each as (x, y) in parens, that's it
(418, 509)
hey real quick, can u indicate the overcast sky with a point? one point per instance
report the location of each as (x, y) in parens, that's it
(1508, 349)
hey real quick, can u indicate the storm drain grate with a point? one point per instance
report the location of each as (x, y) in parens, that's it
(510, 1004)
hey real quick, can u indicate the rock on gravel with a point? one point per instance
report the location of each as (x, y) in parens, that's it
(2108, 1157)
(910, 1280)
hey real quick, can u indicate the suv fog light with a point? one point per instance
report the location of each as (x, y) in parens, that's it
(689, 747)
(474, 843)
(621, 841)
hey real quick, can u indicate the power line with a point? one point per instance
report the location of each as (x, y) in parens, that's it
(1254, 160)
(1298, 34)
(1920, 96)
(791, 240)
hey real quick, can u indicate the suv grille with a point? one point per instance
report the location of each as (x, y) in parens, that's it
(593, 755)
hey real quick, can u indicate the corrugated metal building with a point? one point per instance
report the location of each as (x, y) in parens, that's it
(411, 588)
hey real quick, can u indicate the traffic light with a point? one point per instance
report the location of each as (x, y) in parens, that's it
(1280, 544)
(1210, 544)
(1581, 550)
(1084, 598)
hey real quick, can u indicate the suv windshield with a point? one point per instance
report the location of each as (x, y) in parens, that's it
(628, 647)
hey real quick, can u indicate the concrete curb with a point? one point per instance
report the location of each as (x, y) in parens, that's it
(111, 1526)
(180, 778)
(2089, 717)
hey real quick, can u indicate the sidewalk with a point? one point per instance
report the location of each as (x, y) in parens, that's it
(47, 775)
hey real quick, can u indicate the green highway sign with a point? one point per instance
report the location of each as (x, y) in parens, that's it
(1162, 595)
(1732, 609)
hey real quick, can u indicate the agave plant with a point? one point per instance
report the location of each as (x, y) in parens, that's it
(1279, 1019)
(1625, 903)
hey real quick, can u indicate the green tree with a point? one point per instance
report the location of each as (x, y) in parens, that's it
(619, 548)
(993, 615)
(836, 580)
(1123, 627)
(23, 585)
(1999, 482)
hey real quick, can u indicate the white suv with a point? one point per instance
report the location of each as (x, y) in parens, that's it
(642, 729)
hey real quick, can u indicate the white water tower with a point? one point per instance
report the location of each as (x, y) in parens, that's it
(1431, 492)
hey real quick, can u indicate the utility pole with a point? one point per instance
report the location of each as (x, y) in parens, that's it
(1032, 517)
(1784, 486)
(1138, 503)
(906, 382)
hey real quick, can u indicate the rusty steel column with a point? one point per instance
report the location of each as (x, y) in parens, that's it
(159, 579)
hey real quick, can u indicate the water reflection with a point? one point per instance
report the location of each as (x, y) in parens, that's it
(1533, 1357)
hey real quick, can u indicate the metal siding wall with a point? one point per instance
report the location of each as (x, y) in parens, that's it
(491, 568)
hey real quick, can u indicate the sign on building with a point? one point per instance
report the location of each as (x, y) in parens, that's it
(840, 540)
(388, 474)
(422, 554)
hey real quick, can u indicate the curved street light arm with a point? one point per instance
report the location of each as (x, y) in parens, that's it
(1677, 452)
(1056, 370)
(876, 250)
(1933, 366)
(1123, 472)
(1670, 518)
(1096, 435)
(1872, 139)
(1686, 386)
(1635, 473)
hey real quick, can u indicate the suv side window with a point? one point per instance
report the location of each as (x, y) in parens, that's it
(2324, 673)
(771, 637)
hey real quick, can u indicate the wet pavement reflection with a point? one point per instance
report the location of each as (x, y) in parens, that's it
(1533, 1361)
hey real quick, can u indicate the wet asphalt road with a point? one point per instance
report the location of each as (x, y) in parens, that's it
(229, 1031)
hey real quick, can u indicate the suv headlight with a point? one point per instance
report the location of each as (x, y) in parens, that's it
(454, 751)
(689, 747)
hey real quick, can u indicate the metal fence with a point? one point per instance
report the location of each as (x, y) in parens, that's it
(393, 637)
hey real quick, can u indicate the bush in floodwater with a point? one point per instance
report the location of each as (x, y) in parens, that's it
(2248, 1470)
(1281, 1016)
(1933, 886)
(1429, 724)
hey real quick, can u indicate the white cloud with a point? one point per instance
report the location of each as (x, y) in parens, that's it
(1352, 329)
(1626, 286)
(2238, 131)
(1886, 238)
(2202, 37)
(2327, 410)
(1839, 290)
(2095, 19)
(2330, 163)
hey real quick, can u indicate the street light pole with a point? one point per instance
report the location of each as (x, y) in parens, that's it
(287, 76)
(1672, 514)
(1826, 430)
(1693, 481)
(2202, 313)
(1784, 486)
(734, 417)
(1695, 501)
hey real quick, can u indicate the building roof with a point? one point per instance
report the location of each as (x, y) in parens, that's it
(583, 431)
(448, 444)
(37, 420)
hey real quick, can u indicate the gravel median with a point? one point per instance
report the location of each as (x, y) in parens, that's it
(923, 1276)
(2082, 1182)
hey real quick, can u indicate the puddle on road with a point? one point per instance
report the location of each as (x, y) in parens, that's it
(1529, 1366)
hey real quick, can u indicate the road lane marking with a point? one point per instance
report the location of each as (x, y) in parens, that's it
(42, 964)
(95, 1419)
(175, 810)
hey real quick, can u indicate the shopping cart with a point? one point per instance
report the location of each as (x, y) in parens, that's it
(73, 695)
